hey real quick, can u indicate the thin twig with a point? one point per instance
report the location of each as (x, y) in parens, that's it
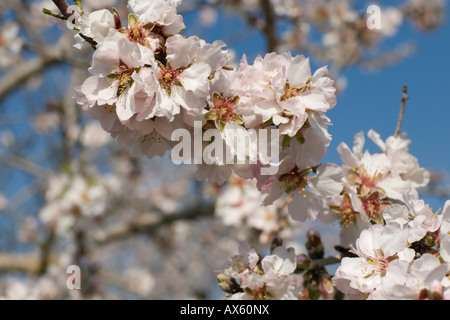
(270, 26)
(402, 110)
(319, 263)
(24, 165)
(21, 73)
(62, 5)
(28, 263)
(150, 222)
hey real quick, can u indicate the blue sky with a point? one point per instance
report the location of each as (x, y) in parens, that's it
(371, 100)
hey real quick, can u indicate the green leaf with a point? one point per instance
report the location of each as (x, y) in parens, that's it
(314, 293)
(286, 141)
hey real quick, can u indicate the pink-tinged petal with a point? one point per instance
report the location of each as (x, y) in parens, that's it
(304, 206)
(123, 109)
(444, 248)
(314, 101)
(299, 71)
(195, 79)
(311, 152)
(358, 143)
(329, 180)
(97, 90)
(375, 137)
(347, 155)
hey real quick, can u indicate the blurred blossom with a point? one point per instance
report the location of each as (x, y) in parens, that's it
(46, 122)
(93, 136)
(140, 280)
(10, 44)
(208, 16)
(7, 138)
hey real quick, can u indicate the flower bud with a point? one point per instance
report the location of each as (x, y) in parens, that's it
(314, 245)
(276, 242)
(227, 284)
(437, 291)
(303, 262)
(326, 289)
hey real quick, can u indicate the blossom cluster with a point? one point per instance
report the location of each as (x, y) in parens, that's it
(250, 276)
(371, 183)
(10, 44)
(74, 199)
(239, 206)
(407, 258)
(148, 80)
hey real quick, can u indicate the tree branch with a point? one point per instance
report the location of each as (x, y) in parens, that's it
(319, 263)
(19, 75)
(29, 263)
(149, 222)
(62, 5)
(269, 26)
(402, 110)
(25, 165)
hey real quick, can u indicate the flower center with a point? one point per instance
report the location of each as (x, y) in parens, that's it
(259, 294)
(122, 76)
(346, 214)
(367, 182)
(290, 92)
(238, 264)
(295, 180)
(374, 207)
(138, 34)
(169, 77)
(380, 263)
(223, 110)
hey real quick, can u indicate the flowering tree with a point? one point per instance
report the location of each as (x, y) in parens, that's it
(249, 138)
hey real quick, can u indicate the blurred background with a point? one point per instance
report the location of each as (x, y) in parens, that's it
(147, 229)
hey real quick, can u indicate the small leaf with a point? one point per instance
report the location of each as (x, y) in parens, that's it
(314, 293)
(211, 115)
(286, 141)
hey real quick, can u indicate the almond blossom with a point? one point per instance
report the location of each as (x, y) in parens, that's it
(271, 277)
(305, 192)
(147, 80)
(184, 79)
(239, 204)
(113, 64)
(10, 44)
(371, 184)
(281, 89)
(377, 249)
(425, 280)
